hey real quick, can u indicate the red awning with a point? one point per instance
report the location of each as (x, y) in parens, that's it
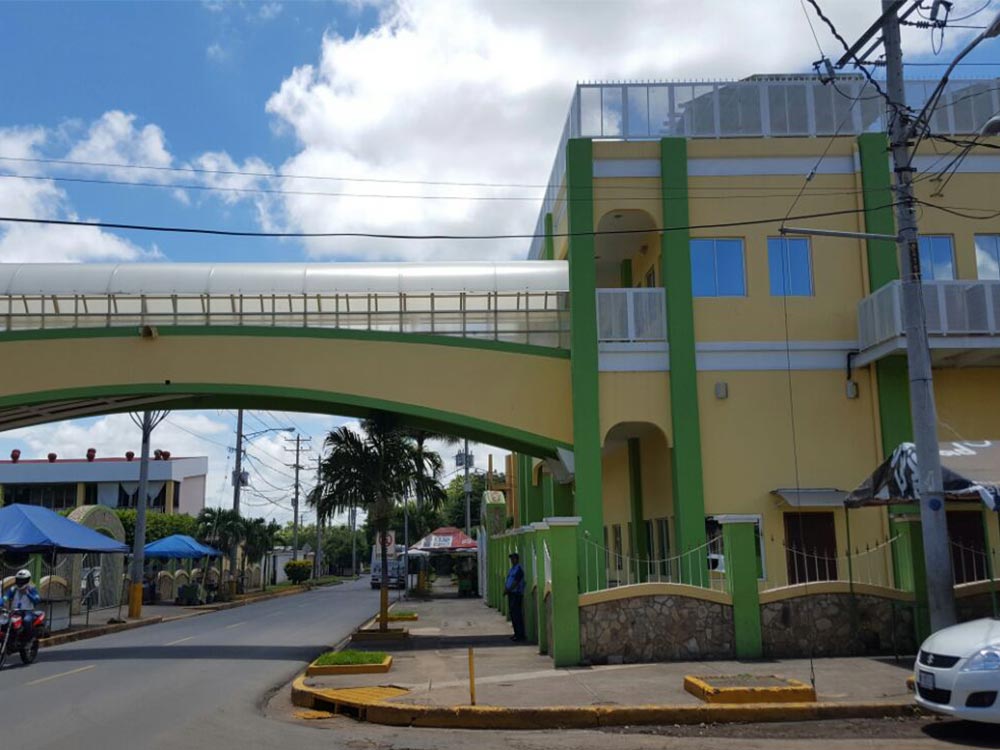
(446, 539)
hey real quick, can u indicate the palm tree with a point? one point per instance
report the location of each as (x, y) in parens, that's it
(374, 471)
(223, 528)
(256, 543)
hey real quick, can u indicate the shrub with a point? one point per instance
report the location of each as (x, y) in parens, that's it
(298, 571)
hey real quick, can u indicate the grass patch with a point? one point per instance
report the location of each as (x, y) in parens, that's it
(401, 613)
(340, 658)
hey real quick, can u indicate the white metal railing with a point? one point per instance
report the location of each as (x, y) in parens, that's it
(871, 565)
(952, 308)
(539, 318)
(702, 567)
(761, 106)
(631, 315)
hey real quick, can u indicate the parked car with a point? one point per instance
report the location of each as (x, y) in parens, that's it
(958, 671)
(397, 571)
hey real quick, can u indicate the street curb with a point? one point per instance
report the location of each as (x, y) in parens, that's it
(589, 717)
(118, 627)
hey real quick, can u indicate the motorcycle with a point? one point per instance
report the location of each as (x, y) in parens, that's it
(18, 636)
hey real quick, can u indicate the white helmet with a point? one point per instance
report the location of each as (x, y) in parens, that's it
(22, 577)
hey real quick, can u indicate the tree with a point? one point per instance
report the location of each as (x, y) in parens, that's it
(158, 525)
(339, 546)
(375, 470)
(222, 528)
(453, 510)
(422, 522)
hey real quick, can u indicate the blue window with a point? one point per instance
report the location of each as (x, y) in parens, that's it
(789, 261)
(717, 268)
(937, 258)
(988, 256)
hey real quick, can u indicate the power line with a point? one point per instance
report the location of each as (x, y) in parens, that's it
(168, 229)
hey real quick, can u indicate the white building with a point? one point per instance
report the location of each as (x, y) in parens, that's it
(176, 485)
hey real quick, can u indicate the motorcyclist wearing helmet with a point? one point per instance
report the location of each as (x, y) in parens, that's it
(22, 595)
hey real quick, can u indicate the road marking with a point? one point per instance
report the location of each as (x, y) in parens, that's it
(180, 640)
(61, 674)
(236, 625)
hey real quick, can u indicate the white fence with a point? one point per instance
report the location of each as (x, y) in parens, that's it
(952, 308)
(631, 315)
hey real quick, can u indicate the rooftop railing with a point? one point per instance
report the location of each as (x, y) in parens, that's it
(761, 106)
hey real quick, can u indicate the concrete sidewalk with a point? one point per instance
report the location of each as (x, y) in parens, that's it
(433, 666)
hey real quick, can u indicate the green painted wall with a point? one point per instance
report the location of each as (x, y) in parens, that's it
(583, 338)
(533, 498)
(565, 646)
(549, 251)
(675, 270)
(639, 542)
(740, 545)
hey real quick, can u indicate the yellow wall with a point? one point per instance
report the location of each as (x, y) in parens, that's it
(635, 397)
(524, 392)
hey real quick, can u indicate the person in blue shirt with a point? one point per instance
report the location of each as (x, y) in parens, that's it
(514, 589)
(22, 596)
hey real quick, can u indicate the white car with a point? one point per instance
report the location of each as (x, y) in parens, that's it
(958, 671)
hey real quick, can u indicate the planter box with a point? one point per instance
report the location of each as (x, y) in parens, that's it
(403, 618)
(315, 670)
(745, 689)
(392, 634)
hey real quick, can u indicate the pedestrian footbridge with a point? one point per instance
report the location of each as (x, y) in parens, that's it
(477, 349)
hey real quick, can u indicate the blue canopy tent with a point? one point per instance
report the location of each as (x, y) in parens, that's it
(31, 528)
(179, 547)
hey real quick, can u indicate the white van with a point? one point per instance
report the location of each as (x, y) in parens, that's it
(397, 569)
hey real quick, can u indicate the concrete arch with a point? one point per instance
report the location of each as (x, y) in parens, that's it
(509, 395)
(624, 234)
(112, 567)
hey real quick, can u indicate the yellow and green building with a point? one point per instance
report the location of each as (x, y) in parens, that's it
(730, 383)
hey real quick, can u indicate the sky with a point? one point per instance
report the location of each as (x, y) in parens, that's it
(348, 116)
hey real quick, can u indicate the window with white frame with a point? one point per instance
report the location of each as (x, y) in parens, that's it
(717, 268)
(988, 257)
(789, 261)
(937, 257)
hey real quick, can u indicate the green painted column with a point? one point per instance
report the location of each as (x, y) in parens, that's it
(522, 487)
(549, 251)
(539, 539)
(583, 340)
(557, 499)
(739, 539)
(525, 546)
(675, 270)
(639, 543)
(890, 372)
(625, 273)
(534, 499)
(562, 541)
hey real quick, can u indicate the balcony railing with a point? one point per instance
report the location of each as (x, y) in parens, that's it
(952, 308)
(631, 315)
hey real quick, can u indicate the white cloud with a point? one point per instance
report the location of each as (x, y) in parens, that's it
(216, 52)
(41, 198)
(269, 11)
(114, 139)
(479, 91)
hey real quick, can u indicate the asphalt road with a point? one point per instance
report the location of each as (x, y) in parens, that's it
(176, 684)
(221, 681)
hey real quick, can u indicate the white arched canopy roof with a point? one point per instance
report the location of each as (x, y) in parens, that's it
(280, 278)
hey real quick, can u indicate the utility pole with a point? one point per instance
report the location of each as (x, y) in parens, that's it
(319, 523)
(147, 423)
(237, 486)
(468, 491)
(295, 499)
(923, 412)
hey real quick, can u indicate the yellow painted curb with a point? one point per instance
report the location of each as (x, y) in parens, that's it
(583, 717)
(325, 670)
(792, 692)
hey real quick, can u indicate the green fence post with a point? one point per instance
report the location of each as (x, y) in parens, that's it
(562, 540)
(739, 540)
(526, 550)
(538, 561)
